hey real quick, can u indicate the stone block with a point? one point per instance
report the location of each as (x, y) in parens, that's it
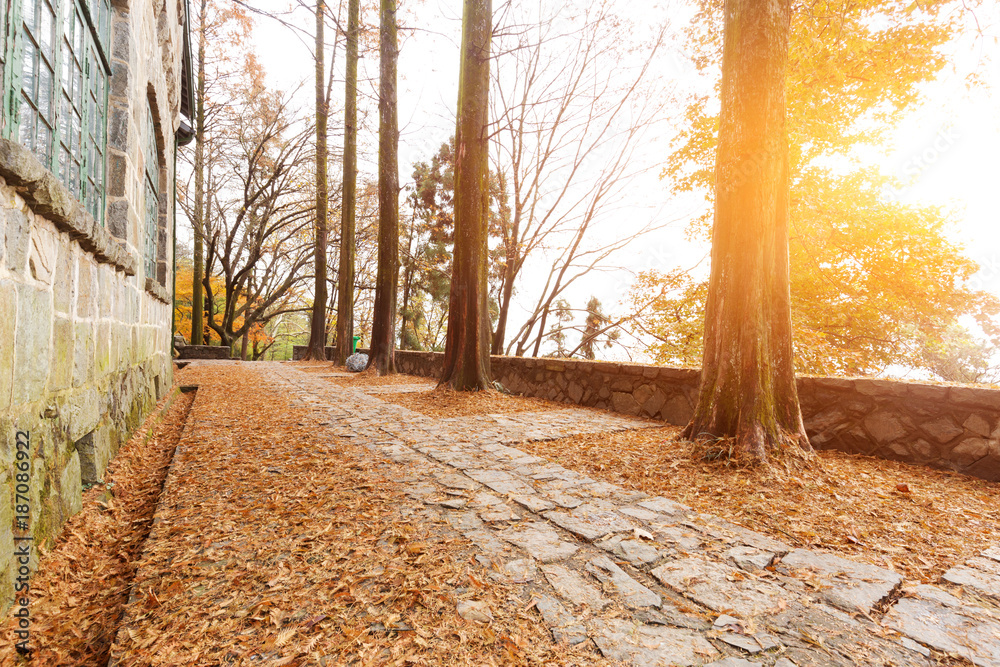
(63, 287)
(564, 626)
(846, 584)
(622, 384)
(977, 425)
(70, 487)
(635, 595)
(927, 392)
(642, 394)
(117, 219)
(947, 624)
(884, 426)
(654, 403)
(575, 392)
(969, 451)
(571, 586)
(94, 451)
(61, 363)
(942, 429)
(720, 587)
(43, 253)
(987, 468)
(8, 321)
(86, 289)
(6, 539)
(827, 420)
(677, 411)
(83, 353)
(624, 403)
(102, 348)
(31, 345)
(17, 236)
(648, 645)
(82, 412)
(976, 397)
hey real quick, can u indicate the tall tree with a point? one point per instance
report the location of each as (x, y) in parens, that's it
(345, 276)
(748, 390)
(316, 349)
(467, 345)
(383, 338)
(198, 220)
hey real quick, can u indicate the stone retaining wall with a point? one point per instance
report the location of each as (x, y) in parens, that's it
(953, 427)
(85, 322)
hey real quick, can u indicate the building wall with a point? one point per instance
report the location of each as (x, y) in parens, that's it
(84, 332)
(951, 427)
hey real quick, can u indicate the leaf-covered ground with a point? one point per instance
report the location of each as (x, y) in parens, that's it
(278, 546)
(295, 550)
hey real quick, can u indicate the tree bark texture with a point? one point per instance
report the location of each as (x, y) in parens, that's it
(387, 279)
(345, 277)
(316, 350)
(197, 295)
(467, 345)
(748, 388)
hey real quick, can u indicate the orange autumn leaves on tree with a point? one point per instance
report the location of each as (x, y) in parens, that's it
(873, 283)
(183, 298)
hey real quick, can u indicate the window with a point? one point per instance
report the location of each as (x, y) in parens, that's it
(152, 194)
(56, 71)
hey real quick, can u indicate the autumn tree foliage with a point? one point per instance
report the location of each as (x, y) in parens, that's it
(257, 239)
(873, 282)
(467, 345)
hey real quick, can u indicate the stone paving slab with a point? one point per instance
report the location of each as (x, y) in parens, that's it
(648, 580)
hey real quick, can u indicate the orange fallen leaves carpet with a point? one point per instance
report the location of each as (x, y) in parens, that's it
(277, 547)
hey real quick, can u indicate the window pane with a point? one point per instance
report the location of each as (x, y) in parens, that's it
(43, 142)
(29, 59)
(45, 91)
(28, 12)
(46, 28)
(27, 134)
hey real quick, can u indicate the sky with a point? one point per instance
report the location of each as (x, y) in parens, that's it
(945, 150)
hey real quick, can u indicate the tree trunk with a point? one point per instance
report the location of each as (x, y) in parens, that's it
(197, 295)
(383, 341)
(505, 297)
(317, 330)
(748, 388)
(345, 277)
(467, 344)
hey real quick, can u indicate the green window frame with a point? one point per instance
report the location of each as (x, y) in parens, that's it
(152, 170)
(56, 69)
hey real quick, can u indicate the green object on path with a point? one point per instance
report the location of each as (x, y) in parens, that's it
(354, 344)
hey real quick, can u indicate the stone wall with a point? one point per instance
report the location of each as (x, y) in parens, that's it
(952, 427)
(85, 333)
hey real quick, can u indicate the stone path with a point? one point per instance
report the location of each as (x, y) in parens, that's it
(648, 580)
